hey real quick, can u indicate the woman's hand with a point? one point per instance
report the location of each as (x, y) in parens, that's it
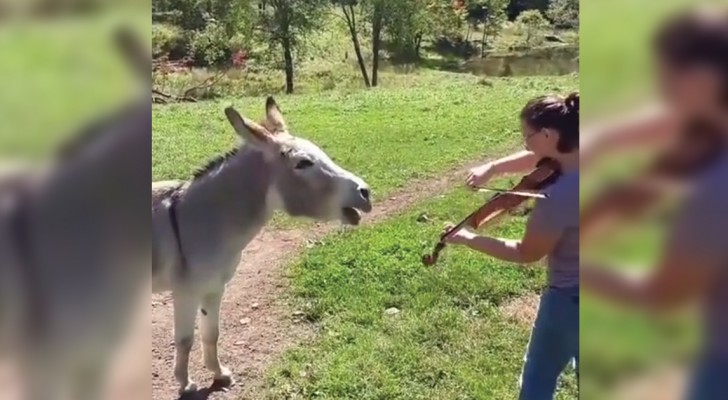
(462, 236)
(480, 175)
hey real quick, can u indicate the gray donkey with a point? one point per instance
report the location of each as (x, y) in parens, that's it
(75, 251)
(201, 227)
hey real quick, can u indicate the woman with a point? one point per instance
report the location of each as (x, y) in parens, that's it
(692, 53)
(550, 127)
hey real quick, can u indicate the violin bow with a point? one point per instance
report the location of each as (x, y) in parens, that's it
(521, 193)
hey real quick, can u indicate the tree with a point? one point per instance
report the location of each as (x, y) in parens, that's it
(491, 14)
(516, 7)
(350, 8)
(377, 14)
(411, 21)
(533, 23)
(564, 14)
(284, 22)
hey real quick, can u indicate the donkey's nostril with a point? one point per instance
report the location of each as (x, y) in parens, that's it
(364, 193)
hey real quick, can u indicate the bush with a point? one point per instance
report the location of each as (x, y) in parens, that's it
(532, 24)
(169, 41)
(211, 46)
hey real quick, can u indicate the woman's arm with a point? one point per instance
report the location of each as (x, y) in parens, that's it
(694, 256)
(534, 246)
(651, 126)
(522, 161)
(540, 238)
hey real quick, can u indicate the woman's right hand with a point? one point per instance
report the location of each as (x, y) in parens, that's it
(480, 175)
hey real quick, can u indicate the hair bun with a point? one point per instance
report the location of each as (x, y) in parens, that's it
(572, 102)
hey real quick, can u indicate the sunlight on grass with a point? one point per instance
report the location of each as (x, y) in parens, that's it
(448, 340)
(387, 136)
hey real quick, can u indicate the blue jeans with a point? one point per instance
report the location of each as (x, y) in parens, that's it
(554, 342)
(710, 379)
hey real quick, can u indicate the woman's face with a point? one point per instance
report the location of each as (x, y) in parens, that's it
(692, 90)
(541, 142)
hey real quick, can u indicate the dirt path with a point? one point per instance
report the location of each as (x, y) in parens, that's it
(257, 326)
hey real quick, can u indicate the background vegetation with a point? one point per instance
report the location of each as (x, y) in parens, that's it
(256, 47)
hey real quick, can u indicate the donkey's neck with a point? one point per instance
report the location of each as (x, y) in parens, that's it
(237, 198)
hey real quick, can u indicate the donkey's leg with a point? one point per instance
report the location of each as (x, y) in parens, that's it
(185, 308)
(210, 330)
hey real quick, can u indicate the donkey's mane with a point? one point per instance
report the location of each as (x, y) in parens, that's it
(214, 163)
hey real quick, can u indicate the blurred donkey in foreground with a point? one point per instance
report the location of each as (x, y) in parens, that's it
(75, 251)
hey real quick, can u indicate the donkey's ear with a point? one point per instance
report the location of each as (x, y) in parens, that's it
(274, 116)
(247, 129)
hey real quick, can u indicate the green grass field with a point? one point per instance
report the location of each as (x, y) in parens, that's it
(387, 136)
(58, 74)
(449, 340)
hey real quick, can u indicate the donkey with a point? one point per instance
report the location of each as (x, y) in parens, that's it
(75, 251)
(201, 227)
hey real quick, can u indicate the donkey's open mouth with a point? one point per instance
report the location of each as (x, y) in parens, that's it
(351, 215)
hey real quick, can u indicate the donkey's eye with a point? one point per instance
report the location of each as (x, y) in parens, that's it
(304, 164)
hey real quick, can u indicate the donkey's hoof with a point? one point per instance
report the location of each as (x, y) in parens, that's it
(225, 379)
(191, 387)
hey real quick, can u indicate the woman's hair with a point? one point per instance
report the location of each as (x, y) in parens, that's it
(557, 113)
(698, 38)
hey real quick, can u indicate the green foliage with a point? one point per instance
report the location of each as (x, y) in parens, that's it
(564, 14)
(491, 14)
(288, 21)
(169, 41)
(516, 7)
(211, 45)
(533, 24)
(211, 29)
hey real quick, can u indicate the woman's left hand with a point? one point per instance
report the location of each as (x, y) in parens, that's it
(462, 236)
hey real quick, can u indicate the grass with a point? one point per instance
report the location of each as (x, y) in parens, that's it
(614, 49)
(387, 136)
(57, 74)
(449, 340)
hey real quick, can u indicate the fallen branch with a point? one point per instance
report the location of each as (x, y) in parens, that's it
(207, 83)
(167, 97)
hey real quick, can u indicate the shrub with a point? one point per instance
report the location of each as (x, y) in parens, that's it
(211, 46)
(170, 41)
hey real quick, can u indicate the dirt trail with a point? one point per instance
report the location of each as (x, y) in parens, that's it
(256, 325)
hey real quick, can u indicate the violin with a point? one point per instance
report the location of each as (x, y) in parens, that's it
(694, 151)
(546, 173)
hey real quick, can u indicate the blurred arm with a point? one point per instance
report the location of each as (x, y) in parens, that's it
(694, 257)
(646, 128)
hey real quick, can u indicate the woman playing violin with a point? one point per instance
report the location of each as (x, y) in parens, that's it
(692, 55)
(550, 128)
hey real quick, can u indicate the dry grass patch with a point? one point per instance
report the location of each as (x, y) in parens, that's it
(521, 309)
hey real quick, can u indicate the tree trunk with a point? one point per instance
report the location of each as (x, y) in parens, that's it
(482, 41)
(418, 42)
(351, 21)
(376, 42)
(288, 58)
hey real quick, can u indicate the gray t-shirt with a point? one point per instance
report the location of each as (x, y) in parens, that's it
(701, 232)
(559, 215)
